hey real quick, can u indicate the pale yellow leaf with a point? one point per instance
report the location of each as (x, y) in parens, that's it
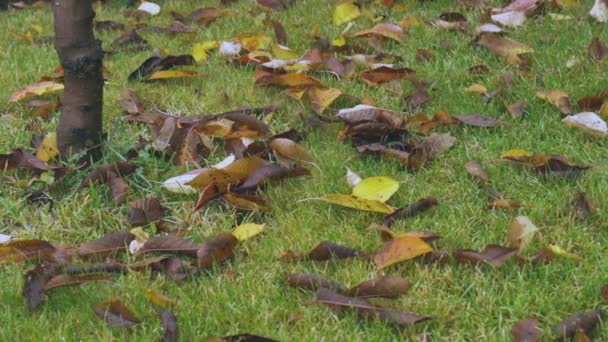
(376, 188)
(357, 203)
(48, 147)
(248, 230)
(515, 153)
(345, 12)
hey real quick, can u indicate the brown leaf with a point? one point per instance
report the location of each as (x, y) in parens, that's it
(365, 309)
(418, 98)
(279, 30)
(116, 314)
(276, 5)
(494, 255)
(526, 330)
(172, 267)
(131, 102)
(604, 292)
(130, 41)
(291, 152)
(155, 63)
(232, 174)
(400, 249)
(243, 337)
(35, 282)
(429, 147)
(478, 120)
(583, 206)
(384, 286)
(503, 203)
(327, 250)
(503, 47)
(170, 327)
(205, 16)
(516, 109)
(104, 174)
(245, 202)
(598, 51)
(584, 321)
(476, 170)
(269, 173)
(556, 97)
(592, 103)
(411, 210)
(43, 108)
(106, 25)
(386, 234)
(74, 280)
(16, 251)
(383, 30)
(313, 282)
(389, 153)
(208, 194)
(383, 74)
(549, 165)
(19, 159)
(144, 211)
(163, 139)
(106, 245)
(451, 21)
(169, 244)
(216, 249)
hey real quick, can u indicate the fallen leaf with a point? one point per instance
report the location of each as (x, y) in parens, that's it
(21, 250)
(383, 30)
(234, 173)
(451, 21)
(245, 202)
(352, 178)
(478, 120)
(130, 41)
(169, 244)
(288, 152)
(384, 286)
(411, 210)
(516, 109)
(216, 249)
(313, 282)
(107, 245)
(321, 98)
(327, 250)
(155, 63)
(585, 321)
(429, 147)
(587, 122)
(205, 16)
(510, 19)
(35, 89)
(269, 173)
(116, 314)
(62, 280)
(243, 337)
(172, 267)
(526, 330)
(400, 249)
(170, 327)
(503, 47)
(558, 98)
(599, 11)
(345, 12)
(365, 309)
(552, 252)
(583, 206)
(476, 170)
(47, 149)
(376, 189)
(382, 74)
(166, 74)
(144, 211)
(159, 299)
(149, 7)
(111, 174)
(246, 231)
(386, 234)
(598, 51)
(521, 232)
(357, 203)
(494, 255)
(178, 184)
(35, 282)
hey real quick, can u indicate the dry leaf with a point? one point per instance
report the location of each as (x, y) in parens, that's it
(494, 255)
(116, 314)
(411, 210)
(376, 188)
(107, 245)
(584, 321)
(558, 98)
(170, 327)
(313, 282)
(246, 231)
(521, 232)
(357, 203)
(384, 286)
(526, 330)
(400, 249)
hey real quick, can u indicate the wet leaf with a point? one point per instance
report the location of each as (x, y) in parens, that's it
(494, 255)
(35, 282)
(376, 189)
(400, 249)
(21, 250)
(521, 232)
(365, 309)
(247, 231)
(216, 249)
(170, 327)
(526, 330)
(357, 203)
(74, 280)
(107, 245)
(313, 282)
(384, 286)
(585, 321)
(116, 314)
(411, 210)
(144, 211)
(558, 98)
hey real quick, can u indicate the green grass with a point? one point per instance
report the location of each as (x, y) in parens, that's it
(249, 294)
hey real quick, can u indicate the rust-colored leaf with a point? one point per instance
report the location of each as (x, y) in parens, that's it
(365, 309)
(144, 211)
(401, 249)
(411, 210)
(107, 245)
(209, 193)
(116, 314)
(383, 74)
(526, 330)
(384, 286)
(494, 255)
(313, 282)
(584, 321)
(216, 249)
(21, 250)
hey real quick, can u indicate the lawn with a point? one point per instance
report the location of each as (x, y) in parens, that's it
(249, 293)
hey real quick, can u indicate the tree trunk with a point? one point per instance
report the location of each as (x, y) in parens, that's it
(80, 124)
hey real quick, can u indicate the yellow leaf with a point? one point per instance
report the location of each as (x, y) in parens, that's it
(566, 3)
(556, 97)
(283, 52)
(339, 41)
(409, 22)
(254, 41)
(553, 251)
(345, 12)
(515, 153)
(159, 299)
(199, 51)
(140, 234)
(400, 249)
(376, 188)
(48, 147)
(321, 98)
(166, 74)
(248, 230)
(476, 88)
(34, 89)
(357, 203)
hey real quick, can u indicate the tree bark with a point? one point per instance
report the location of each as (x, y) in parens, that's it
(80, 54)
